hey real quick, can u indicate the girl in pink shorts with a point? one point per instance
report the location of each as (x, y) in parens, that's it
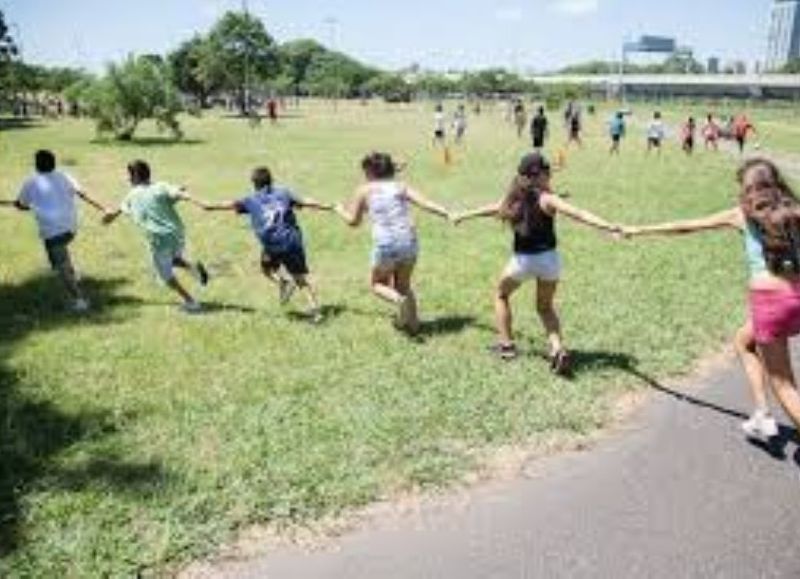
(768, 215)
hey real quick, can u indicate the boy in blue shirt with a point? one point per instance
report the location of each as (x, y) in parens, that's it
(271, 211)
(616, 129)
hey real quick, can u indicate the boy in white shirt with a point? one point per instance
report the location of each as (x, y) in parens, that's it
(50, 194)
(655, 133)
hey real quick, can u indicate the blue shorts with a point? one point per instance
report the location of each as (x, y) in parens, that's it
(390, 255)
(293, 258)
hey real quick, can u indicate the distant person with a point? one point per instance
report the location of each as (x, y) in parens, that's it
(530, 208)
(439, 136)
(272, 110)
(711, 133)
(476, 108)
(460, 123)
(574, 127)
(688, 135)
(655, 133)
(272, 218)
(616, 131)
(387, 202)
(768, 216)
(151, 206)
(50, 195)
(742, 127)
(539, 129)
(520, 117)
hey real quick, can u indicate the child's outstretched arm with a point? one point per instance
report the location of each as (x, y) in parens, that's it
(309, 203)
(730, 218)
(423, 202)
(353, 213)
(89, 200)
(12, 203)
(110, 217)
(486, 211)
(556, 203)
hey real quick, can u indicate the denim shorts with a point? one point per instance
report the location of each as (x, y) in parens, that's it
(164, 260)
(387, 255)
(545, 266)
(57, 249)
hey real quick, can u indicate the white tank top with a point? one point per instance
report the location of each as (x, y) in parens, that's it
(390, 214)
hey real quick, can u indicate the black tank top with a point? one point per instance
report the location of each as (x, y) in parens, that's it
(535, 232)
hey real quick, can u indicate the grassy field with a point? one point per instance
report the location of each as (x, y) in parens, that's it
(136, 438)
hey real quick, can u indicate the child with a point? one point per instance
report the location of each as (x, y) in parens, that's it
(520, 117)
(271, 210)
(438, 127)
(152, 207)
(711, 132)
(50, 194)
(387, 203)
(687, 136)
(768, 214)
(616, 130)
(530, 208)
(539, 129)
(460, 123)
(655, 133)
(742, 127)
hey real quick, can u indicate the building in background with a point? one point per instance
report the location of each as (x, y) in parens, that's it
(783, 41)
(713, 65)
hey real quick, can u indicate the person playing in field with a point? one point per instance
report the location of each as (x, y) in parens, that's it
(520, 117)
(768, 216)
(742, 127)
(530, 208)
(387, 201)
(460, 123)
(439, 136)
(711, 133)
(688, 135)
(50, 195)
(574, 126)
(616, 131)
(272, 218)
(151, 206)
(655, 133)
(539, 129)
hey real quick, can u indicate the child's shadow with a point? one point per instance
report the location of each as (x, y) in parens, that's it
(447, 325)
(328, 312)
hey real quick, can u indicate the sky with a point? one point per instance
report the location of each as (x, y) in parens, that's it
(538, 35)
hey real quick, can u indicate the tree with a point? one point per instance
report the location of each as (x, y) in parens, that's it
(333, 75)
(791, 67)
(140, 88)
(185, 69)
(392, 87)
(8, 48)
(238, 50)
(295, 59)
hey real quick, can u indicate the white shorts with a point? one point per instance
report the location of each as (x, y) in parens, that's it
(545, 266)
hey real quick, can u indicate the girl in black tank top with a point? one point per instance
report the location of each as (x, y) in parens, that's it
(530, 208)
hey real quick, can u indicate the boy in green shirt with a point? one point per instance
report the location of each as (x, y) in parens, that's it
(152, 207)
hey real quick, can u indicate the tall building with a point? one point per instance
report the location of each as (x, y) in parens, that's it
(784, 33)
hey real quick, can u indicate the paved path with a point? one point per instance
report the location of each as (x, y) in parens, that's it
(678, 493)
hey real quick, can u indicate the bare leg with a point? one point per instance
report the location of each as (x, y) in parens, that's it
(778, 365)
(402, 283)
(66, 272)
(745, 345)
(382, 284)
(303, 282)
(545, 294)
(176, 286)
(502, 309)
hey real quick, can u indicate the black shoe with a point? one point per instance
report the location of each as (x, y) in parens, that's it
(504, 351)
(202, 273)
(561, 363)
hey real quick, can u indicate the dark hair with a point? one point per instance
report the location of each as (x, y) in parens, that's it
(44, 160)
(774, 209)
(520, 207)
(139, 172)
(541, 110)
(378, 166)
(261, 178)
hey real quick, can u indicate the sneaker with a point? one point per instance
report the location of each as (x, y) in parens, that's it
(760, 425)
(561, 363)
(285, 290)
(315, 316)
(202, 273)
(192, 307)
(80, 306)
(504, 351)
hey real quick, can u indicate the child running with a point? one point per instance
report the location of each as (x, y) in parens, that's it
(539, 130)
(271, 211)
(768, 215)
(655, 133)
(50, 194)
(530, 208)
(687, 136)
(711, 132)
(742, 127)
(151, 206)
(616, 130)
(394, 255)
(460, 123)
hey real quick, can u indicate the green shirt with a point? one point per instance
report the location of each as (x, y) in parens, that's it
(152, 207)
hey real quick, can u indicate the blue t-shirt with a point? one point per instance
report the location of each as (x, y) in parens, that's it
(617, 126)
(272, 217)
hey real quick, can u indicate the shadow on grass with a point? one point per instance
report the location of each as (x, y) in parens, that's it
(446, 325)
(148, 142)
(19, 123)
(34, 431)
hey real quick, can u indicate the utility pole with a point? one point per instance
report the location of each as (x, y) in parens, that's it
(246, 11)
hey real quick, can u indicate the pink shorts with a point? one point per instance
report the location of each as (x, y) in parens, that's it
(775, 313)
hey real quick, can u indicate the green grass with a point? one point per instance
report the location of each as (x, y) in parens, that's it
(138, 438)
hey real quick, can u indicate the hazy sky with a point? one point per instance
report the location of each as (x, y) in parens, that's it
(539, 34)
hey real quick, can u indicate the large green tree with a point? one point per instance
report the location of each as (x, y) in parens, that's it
(185, 67)
(237, 52)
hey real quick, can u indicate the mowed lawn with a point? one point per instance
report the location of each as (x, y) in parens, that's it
(137, 438)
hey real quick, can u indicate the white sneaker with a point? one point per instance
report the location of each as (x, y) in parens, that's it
(80, 306)
(760, 425)
(192, 307)
(285, 290)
